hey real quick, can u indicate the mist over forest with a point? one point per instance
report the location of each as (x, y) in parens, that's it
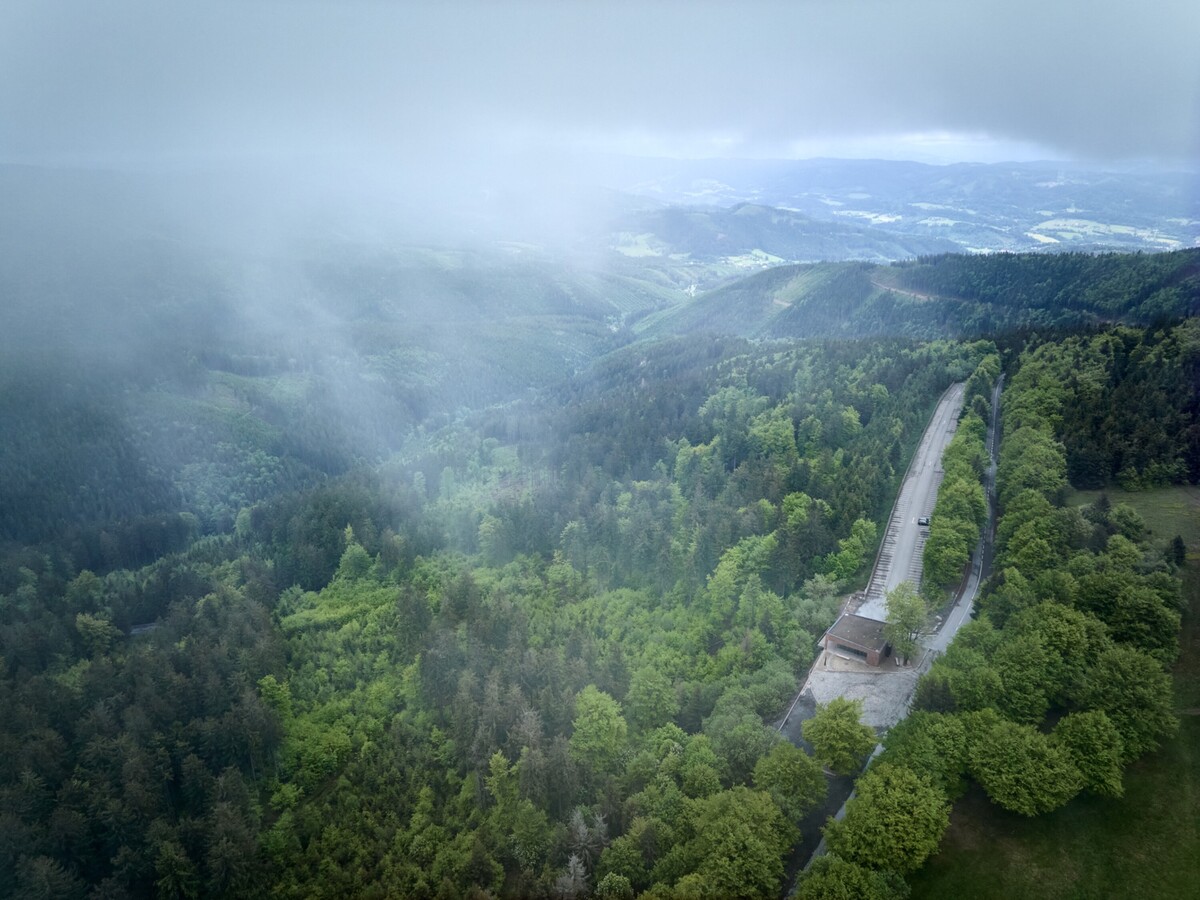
(438, 445)
(534, 529)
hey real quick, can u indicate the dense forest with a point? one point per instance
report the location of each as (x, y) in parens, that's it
(307, 623)
(1060, 682)
(946, 296)
(497, 639)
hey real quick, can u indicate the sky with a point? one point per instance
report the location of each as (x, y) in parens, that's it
(408, 83)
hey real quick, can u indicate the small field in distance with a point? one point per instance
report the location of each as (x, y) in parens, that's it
(1145, 845)
(1168, 511)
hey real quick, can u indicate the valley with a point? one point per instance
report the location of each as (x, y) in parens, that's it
(607, 451)
(446, 568)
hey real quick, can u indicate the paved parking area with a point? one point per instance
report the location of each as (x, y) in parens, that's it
(885, 691)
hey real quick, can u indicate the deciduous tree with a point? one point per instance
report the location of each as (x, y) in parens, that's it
(1094, 745)
(895, 820)
(906, 615)
(838, 737)
(738, 839)
(932, 743)
(599, 731)
(1132, 689)
(1023, 770)
(832, 878)
(792, 778)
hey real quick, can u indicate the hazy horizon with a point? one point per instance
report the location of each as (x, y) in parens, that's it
(447, 88)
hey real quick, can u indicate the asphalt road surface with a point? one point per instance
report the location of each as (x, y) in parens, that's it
(892, 692)
(903, 543)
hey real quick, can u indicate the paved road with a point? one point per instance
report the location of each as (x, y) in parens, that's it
(898, 686)
(886, 690)
(904, 541)
(982, 565)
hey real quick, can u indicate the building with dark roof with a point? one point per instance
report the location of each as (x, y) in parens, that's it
(855, 637)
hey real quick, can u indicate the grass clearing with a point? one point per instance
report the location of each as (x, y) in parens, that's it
(1146, 844)
(1187, 670)
(755, 259)
(636, 246)
(1168, 511)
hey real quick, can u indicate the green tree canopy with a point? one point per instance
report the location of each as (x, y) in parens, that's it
(651, 699)
(838, 737)
(792, 778)
(1024, 668)
(947, 550)
(1072, 639)
(832, 878)
(932, 743)
(906, 616)
(1094, 745)
(735, 848)
(1032, 460)
(614, 887)
(1132, 689)
(1023, 770)
(895, 820)
(599, 731)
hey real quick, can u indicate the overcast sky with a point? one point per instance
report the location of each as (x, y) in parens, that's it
(926, 79)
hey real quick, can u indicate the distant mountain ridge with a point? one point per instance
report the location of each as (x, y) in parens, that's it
(943, 296)
(977, 207)
(757, 234)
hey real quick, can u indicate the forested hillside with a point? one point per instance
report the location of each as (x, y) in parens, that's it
(599, 451)
(204, 381)
(1061, 682)
(428, 576)
(946, 296)
(513, 662)
(1124, 404)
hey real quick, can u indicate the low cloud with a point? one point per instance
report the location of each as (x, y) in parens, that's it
(405, 83)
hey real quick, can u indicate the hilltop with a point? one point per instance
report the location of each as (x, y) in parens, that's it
(950, 295)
